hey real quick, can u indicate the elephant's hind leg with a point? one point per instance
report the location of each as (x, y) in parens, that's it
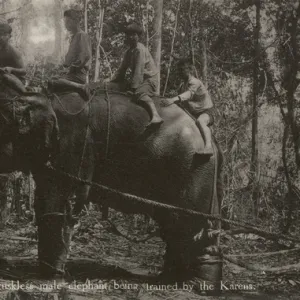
(186, 256)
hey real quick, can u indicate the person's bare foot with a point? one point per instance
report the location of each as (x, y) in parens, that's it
(156, 121)
(208, 151)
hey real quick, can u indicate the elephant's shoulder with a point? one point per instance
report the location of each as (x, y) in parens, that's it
(178, 136)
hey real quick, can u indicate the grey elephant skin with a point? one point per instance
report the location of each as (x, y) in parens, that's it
(106, 141)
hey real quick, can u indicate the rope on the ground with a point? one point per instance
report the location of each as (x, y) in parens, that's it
(173, 208)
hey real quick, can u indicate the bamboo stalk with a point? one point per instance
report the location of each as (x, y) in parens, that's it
(172, 47)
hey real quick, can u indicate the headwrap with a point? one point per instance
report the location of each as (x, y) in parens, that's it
(73, 14)
(133, 28)
(5, 28)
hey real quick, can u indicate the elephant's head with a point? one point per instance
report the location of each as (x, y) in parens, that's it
(28, 132)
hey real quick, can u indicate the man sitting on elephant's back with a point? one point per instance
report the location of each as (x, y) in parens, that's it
(78, 58)
(11, 63)
(196, 100)
(144, 74)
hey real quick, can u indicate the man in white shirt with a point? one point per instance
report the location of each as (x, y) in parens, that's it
(196, 100)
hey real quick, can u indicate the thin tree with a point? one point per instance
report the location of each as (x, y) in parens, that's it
(86, 15)
(172, 47)
(156, 46)
(191, 41)
(254, 156)
(99, 39)
(203, 58)
(294, 62)
(58, 25)
(86, 28)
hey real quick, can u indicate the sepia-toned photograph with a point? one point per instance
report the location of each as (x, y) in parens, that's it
(149, 149)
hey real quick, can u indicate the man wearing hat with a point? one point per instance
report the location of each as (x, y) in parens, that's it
(143, 80)
(11, 63)
(78, 58)
(195, 99)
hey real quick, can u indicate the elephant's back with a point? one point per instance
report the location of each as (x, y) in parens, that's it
(127, 123)
(178, 135)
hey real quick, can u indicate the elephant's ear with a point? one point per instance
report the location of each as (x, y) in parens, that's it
(25, 120)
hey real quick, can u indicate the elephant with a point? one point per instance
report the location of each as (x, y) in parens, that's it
(28, 130)
(106, 141)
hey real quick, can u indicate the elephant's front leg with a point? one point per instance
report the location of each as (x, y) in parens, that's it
(54, 223)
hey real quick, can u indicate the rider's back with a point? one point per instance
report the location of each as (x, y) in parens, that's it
(11, 57)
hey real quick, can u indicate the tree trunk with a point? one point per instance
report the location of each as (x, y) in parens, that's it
(156, 46)
(254, 157)
(294, 61)
(203, 62)
(86, 28)
(4, 209)
(85, 16)
(58, 17)
(191, 40)
(99, 39)
(172, 47)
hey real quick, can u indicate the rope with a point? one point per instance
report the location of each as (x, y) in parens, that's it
(108, 121)
(191, 212)
(85, 142)
(78, 112)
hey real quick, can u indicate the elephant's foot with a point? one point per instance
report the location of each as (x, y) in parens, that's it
(202, 277)
(54, 237)
(48, 271)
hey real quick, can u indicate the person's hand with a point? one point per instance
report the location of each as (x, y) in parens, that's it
(130, 92)
(63, 70)
(8, 70)
(167, 102)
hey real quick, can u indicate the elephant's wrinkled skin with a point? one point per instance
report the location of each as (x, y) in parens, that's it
(28, 131)
(158, 164)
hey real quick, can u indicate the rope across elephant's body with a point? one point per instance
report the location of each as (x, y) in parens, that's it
(120, 152)
(107, 140)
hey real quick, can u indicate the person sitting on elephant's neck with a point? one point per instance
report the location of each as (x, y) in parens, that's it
(77, 59)
(196, 100)
(11, 64)
(143, 81)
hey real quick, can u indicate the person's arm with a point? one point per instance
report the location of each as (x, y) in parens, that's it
(138, 71)
(15, 71)
(120, 74)
(193, 87)
(18, 66)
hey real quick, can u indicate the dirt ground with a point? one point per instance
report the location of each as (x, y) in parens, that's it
(104, 265)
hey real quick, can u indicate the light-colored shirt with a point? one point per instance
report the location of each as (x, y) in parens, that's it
(79, 53)
(141, 64)
(195, 96)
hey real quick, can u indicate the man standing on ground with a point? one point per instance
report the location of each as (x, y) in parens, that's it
(196, 100)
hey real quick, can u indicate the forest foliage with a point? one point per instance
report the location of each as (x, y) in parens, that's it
(219, 35)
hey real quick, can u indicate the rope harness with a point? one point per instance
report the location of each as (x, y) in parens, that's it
(172, 208)
(108, 121)
(148, 202)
